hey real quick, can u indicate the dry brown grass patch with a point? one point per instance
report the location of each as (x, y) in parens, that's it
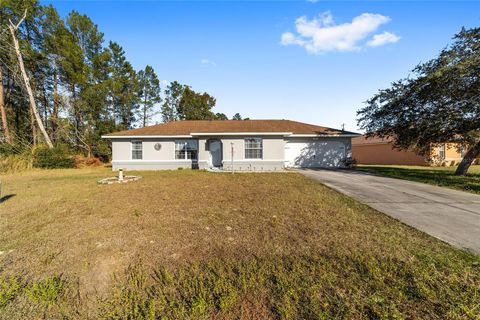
(60, 222)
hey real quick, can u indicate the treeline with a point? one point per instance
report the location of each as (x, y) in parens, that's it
(83, 87)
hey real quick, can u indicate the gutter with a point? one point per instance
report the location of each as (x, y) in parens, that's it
(144, 136)
(197, 134)
(241, 133)
(323, 135)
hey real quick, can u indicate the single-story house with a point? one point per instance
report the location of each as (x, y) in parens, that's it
(245, 145)
(376, 150)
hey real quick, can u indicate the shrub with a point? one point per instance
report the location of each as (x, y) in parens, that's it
(7, 149)
(81, 161)
(102, 150)
(57, 157)
(14, 158)
(350, 162)
(15, 163)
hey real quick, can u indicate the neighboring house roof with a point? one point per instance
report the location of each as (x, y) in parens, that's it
(205, 127)
(363, 140)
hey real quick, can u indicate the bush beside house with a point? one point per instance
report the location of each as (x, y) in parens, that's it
(14, 158)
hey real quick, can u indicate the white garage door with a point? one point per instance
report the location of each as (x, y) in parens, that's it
(314, 154)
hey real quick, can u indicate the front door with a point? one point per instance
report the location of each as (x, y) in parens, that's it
(215, 148)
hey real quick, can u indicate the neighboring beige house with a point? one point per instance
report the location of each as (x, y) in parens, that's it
(247, 145)
(380, 151)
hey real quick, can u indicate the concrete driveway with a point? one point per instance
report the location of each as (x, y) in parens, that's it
(450, 215)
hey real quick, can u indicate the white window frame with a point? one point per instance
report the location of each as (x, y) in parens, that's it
(441, 151)
(255, 148)
(185, 142)
(132, 144)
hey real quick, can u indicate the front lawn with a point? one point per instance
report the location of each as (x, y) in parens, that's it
(197, 245)
(440, 176)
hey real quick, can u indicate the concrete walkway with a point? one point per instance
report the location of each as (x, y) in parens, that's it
(450, 215)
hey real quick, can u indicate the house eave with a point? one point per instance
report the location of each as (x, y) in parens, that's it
(196, 134)
(323, 135)
(199, 134)
(146, 136)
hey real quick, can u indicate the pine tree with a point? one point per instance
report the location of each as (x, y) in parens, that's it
(173, 95)
(149, 93)
(82, 88)
(124, 87)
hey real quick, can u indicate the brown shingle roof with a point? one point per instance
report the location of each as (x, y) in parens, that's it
(228, 126)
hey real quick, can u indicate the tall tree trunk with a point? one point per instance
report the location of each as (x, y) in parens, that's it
(76, 117)
(45, 108)
(34, 129)
(6, 131)
(145, 112)
(467, 160)
(113, 109)
(26, 81)
(54, 117)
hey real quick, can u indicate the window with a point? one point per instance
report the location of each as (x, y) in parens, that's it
(253, 148)
(136, 150)
(186, 149)
(441, 152)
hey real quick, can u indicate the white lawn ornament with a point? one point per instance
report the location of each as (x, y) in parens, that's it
(119, 179)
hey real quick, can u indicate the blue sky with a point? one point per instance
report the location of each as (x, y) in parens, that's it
(330, 61)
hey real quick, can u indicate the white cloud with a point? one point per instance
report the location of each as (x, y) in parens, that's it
(382, 39)
(313, 1)
(322, 34)
(208, 62)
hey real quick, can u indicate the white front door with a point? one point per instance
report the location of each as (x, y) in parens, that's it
(314, 154)
(215, 147)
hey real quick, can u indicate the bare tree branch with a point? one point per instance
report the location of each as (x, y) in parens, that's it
(13, 28)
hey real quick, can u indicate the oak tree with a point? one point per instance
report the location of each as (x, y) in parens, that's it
(438, 103)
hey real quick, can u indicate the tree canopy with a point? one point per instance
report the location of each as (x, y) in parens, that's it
(83, 87)
(438, 103)
(149, 93)
(183, 103)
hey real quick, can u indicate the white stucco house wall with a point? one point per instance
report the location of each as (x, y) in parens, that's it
(247, 145)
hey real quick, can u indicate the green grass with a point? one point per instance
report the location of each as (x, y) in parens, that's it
(9, 289)
(197, 245)
(341, 285)
(439, 176)
(46, 291)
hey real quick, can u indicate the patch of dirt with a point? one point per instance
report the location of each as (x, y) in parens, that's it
(253, 310)
(98, 279)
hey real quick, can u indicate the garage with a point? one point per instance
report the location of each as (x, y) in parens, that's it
(323, 153)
